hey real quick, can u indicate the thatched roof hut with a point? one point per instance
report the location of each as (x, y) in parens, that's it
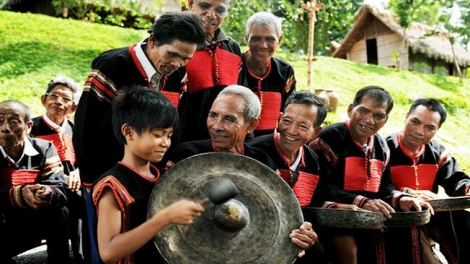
(372, 23)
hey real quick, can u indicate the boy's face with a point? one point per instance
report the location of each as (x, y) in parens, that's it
(150, 145)
(13, 128)
(59, 103)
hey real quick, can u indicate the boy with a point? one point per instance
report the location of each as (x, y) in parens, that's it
(143, 122)
(59, 102)
(32, 189)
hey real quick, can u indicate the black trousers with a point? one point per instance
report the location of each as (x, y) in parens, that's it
(23, 229)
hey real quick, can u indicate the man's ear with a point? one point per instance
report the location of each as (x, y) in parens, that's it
(350, 107)
(252, 125)
(73, 108)
(280, 39)
(43, 100)
(127, 131)
(316, 131)
(29, 126)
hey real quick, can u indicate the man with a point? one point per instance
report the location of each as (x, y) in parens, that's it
(357, 168)
(214, 66)
(59, 102)
(272, 79)
(297, 163)
(419, 165)
(232, 116)
(156, 62)
(32, 189)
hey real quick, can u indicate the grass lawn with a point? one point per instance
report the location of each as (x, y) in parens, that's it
(36, 48)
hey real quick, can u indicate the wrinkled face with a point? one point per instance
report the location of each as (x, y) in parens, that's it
(367, 118)
(13, 129)
(226, 124)
(150, 145)
(420, 127)
(212, 13)
(58, 102)
(168, 58)
(262, 41)
(296, 126)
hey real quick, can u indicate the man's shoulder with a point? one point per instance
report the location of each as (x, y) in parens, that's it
(112, 56)
(190, 148)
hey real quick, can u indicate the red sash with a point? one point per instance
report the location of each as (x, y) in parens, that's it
(419, 177)
(305, 186)
(174, 97)
(10, 177)
(360, 175)
(63, 143)
(210, 68)
(270, 109)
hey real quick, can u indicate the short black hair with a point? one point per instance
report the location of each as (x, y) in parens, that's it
(25, 108)
(376, 93)
(431, 104)
(143, 109)
(309, 98)
(183, 26)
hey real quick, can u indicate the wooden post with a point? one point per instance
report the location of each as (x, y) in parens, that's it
(311, 6)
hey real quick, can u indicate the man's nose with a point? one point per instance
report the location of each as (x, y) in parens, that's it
(4, 129)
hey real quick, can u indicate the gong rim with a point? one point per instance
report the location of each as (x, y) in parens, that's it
(450, 203)
(273, 212)
(343, 218)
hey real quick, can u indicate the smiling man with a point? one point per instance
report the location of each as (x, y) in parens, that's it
(272, 79)
(232, 116)
(420, 165)
(356, 164)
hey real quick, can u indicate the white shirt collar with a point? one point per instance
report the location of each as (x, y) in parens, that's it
(148, 66)
(28, 150)
(62, 128)
(294, 166)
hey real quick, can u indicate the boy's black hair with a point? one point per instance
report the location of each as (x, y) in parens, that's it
(143, 109)
(309, 98)
(431, 104)
(183, 26)
(376, 93)
(26, 111)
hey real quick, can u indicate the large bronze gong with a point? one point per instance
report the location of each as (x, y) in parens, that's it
(253, 227)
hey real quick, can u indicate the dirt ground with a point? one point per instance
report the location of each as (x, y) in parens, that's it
(36, 256)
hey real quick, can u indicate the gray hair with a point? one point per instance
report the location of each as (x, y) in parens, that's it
(265, 19)
(66, 81)
(252, 104)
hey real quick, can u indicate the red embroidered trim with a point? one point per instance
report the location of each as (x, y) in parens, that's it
(270, 109)
(416, 177)
(361, 174)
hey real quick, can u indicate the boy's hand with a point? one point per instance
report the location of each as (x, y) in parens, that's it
(184, 212)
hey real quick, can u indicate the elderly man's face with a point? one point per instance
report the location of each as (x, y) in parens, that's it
(263, 42)
(59, 103)
(168, 58)
(226, 124)
(212, 13)
(13, 128)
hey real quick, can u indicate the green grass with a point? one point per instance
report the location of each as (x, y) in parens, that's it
(35, 48)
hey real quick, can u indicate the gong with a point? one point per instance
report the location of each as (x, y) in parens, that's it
(253, 227)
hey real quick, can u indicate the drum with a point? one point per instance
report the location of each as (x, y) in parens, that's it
(343, 218)
(450, 204)
(408, 219)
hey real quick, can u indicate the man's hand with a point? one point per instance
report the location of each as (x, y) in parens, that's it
(407, 203)
(424, 195)
(36, 196)
(304, 237)
(73, 180)
(351, 207)
(377, 205)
